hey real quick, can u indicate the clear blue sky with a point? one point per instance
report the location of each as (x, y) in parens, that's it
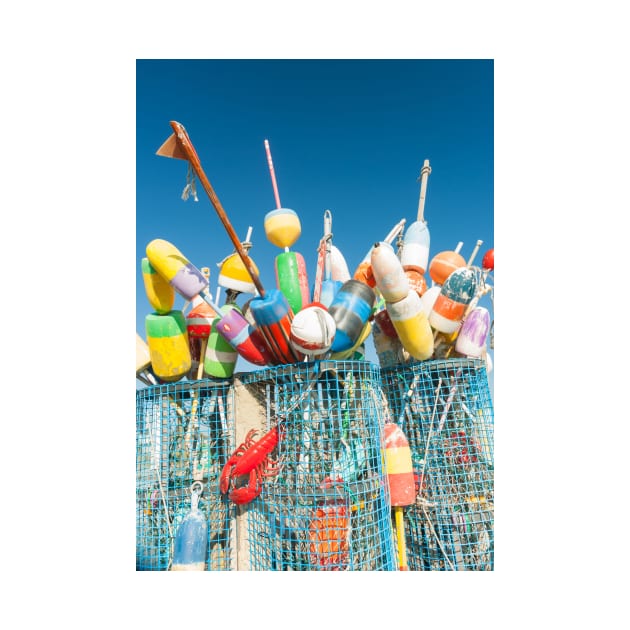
(349, 136)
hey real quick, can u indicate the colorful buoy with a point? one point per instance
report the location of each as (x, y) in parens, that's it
(472, 337)
(234, 275)
(487, 263)
(416, 280)
(389, 275)
(338, 267)
(273, 317)
(292, 279)
(181, 274)
(167, 339)
(351, 310)
(313, 330)
(402, 487)
(221, 356)
(443, 264)
(282, 227)
(415, 249)
(456, 293)
(160, 293)
(412, 326)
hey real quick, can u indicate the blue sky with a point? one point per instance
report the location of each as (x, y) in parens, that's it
(346, 135)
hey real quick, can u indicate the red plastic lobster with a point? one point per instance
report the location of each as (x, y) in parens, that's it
(253, 458)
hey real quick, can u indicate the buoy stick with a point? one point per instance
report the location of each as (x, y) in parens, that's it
(328, 237)
(395, 230)
(204, 346)
(474, 253)
(400, 535)
(178, 145)
(424, 176)
(459, 247)
(273, 175)
(323, 270)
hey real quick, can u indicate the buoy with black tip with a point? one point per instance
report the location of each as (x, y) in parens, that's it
(363, 272)
(388, 272)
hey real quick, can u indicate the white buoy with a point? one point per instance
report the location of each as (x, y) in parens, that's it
(313, 330)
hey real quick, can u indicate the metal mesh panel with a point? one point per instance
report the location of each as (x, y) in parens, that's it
(184, 432)
(327, 508)
(445, 410)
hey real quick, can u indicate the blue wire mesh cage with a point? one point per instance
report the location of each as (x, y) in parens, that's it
(445, 410)
(184, 432)
(325, 505)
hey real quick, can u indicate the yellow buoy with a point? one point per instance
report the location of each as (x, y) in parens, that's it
(234, 275)
(412, 326)
(282, 227)
(160, 293)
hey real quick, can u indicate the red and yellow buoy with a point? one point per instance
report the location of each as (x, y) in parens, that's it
(402, 487)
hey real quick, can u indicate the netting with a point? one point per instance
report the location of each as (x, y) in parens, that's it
(445, 410)
(184, 432)
(327, 505)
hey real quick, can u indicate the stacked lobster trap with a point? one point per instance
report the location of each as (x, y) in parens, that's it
(445, 410)
(184, 435)
(323, 503)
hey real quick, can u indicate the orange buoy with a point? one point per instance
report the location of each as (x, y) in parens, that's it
(443, 264)
(416, 279)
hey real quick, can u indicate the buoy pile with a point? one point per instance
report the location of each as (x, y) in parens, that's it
(387, 296)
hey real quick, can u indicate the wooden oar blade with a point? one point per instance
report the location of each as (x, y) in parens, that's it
(171, 148)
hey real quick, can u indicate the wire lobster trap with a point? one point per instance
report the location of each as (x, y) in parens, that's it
(445, 410)
(325, 504)
(184, 434)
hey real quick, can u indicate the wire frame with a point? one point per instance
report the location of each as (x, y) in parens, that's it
(184, 432)
(326, 508)
(445, 410)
